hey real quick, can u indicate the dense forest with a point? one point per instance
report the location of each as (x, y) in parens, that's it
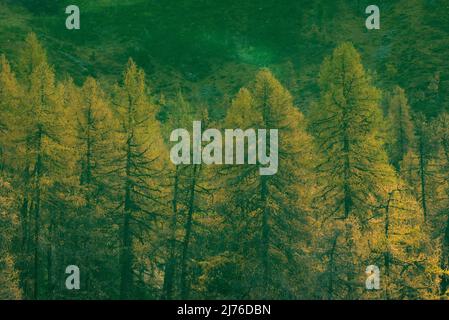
(86, 179)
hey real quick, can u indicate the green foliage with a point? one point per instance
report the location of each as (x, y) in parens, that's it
(266, 215)
(346, 125)
(9, 278)
(140, 171)
(401, 128)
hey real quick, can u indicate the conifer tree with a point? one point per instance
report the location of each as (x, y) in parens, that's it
(273, 208)
(141, 166)
(441, 221)
(399, 242)
(340, 247)
(10, 94)
(421, 164)
(346, 123)
(196, 180)
(177, 113)
(46, 161)
(96, 131)
(30, 57)
(401, 126)
(9, 278)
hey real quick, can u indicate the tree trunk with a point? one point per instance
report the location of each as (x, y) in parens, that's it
(37, 208)
(444, 260)
(330, 288)
(422, 174)
(346, 174)
(265, 235)
(188, 231)
(444, 284)
(126, 252)
(387, 255)
(170, 267)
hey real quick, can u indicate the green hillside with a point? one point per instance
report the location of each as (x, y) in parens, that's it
(210, 48)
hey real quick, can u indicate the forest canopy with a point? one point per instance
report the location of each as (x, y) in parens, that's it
(85, 171)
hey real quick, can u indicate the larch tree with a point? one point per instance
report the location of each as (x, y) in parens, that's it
(420, 166)
(47, 162)
(401, 246)
(32, 55)
(9, 224)
(272, 208)
(441, 219)
(10, 94)
(346, 123)
(141, 163)
(198, 183)
(92, 227)
(401, 135)
(176, 113)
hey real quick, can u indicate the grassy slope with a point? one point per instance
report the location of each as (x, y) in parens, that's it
(209, 48)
